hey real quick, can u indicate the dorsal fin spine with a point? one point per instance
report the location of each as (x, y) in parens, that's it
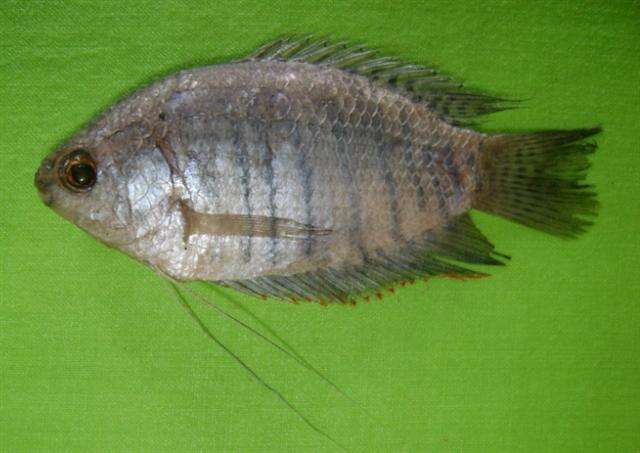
(441, 94)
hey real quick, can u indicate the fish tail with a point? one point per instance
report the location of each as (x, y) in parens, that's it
(536, 179)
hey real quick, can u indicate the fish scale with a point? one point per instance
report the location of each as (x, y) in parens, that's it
(312, 170)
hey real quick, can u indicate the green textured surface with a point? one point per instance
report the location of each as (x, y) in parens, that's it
(543, 356)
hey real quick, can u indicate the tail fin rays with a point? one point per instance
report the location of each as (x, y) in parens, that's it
(536, 179)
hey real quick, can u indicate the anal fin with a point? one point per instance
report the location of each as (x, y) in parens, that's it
(441, 252)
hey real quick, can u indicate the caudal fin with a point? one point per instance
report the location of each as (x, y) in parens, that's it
(536, 179)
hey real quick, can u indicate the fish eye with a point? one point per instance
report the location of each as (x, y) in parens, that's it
(78, 171)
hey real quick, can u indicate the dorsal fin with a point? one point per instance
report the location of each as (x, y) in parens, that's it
(442, 94)
(438, 254)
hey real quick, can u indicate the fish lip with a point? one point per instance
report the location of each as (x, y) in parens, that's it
(46, 199)
(42, 183)
(39, 182)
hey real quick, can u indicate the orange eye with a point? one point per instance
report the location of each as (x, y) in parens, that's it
(78, 171)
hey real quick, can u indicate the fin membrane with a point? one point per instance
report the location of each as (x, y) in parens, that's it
(536, 180)
(247, 225)
(459, 241)
(442, 94)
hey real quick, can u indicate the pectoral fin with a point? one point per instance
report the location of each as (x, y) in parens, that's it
(247, 225)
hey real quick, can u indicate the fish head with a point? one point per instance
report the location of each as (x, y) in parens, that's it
(96, 178)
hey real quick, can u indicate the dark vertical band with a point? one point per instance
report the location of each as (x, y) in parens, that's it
(353, 196)
(242, 160)
(384, 155)
(306, 172)
(271, 183)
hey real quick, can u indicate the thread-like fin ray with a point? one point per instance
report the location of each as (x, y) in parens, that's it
(437, 254)
(442, 94)
(253, 316)
(287, 350)
(192, 314)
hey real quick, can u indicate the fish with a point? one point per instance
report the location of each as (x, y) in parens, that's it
(313, 170)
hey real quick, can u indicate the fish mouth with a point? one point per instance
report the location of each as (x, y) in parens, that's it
(43, 183)
(46, 199)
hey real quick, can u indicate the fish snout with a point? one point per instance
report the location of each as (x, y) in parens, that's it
(43, 181)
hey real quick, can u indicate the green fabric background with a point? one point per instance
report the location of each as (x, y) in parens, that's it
(543, 356)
